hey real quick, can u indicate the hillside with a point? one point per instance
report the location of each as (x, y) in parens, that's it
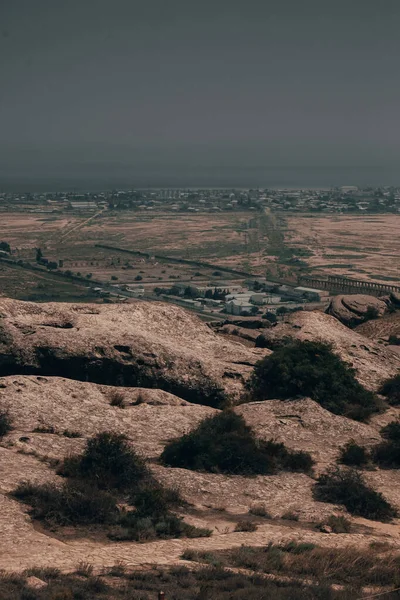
(160, 348)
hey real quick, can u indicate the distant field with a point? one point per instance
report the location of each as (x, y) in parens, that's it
(278, 245)
(363, 247)
(22, 284)
(232, 239)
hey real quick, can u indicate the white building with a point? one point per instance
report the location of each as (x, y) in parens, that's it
(239, 307)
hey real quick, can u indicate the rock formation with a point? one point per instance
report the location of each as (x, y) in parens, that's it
(355, 309)
(143, 344)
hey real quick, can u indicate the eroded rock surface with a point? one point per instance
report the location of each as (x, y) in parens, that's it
(143, 344)
(354, 309)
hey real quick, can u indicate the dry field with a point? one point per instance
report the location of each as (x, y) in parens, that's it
(361, 247)
(355, 246)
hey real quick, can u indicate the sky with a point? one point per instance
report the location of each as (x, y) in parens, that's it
(188, 91)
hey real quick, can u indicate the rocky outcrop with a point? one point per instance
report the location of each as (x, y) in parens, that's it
(355, 309)
(373, 362)
(381, 330)
(143, 344)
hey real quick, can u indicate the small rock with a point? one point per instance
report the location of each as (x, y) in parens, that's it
(326, 529)
(35, 583)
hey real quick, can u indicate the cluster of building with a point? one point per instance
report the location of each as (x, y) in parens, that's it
(236, 299)
(344, 199)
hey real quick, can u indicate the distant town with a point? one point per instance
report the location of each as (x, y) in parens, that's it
(342, 200)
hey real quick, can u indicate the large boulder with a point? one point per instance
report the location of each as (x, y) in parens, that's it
(143, 344)
(355, 309)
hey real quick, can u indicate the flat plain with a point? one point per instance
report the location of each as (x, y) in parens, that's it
(279, 245)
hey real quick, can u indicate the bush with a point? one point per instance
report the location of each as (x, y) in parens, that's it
(347, 487)
(339, 524)
(387, 454)
(5, 423)
(106, 474)
(75, 503)
(259, 510)
(304, 368)
(225, 444)
(141, 528)
(353, 455)
(5, 246)
(348, 566)
(290, 516)
(109, 462)
(391, 389)
(246, 526)
(117, 398)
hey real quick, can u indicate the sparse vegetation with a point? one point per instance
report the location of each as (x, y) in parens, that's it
(259, 510)
(107, 473)
(353, 455)
(391, 389)
(74, 503)
(344, 566)
(71, 434)
(387, 453)
(117, 398)
(290, 516)
(44, 429)
(206, 583)
(5, 423)
(246, 526)
(339, 524)
(225, 444)
(346, 486)
(304, 368)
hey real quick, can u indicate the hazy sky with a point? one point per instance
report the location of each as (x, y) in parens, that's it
(120, 86)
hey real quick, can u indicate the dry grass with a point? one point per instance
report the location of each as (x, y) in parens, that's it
(346, 566)
(117, 398)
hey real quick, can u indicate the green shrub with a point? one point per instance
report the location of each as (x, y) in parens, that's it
(306, 368)
(353, 455)
(109, 462)
(139, 527)
(5, 423)
(387, 454)
(298, 547)
(225, 444)
(347, 487)
(259, 510)
(391, 389)
(339, 524)
(245, 526)
(75, 503)
(106, 474)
